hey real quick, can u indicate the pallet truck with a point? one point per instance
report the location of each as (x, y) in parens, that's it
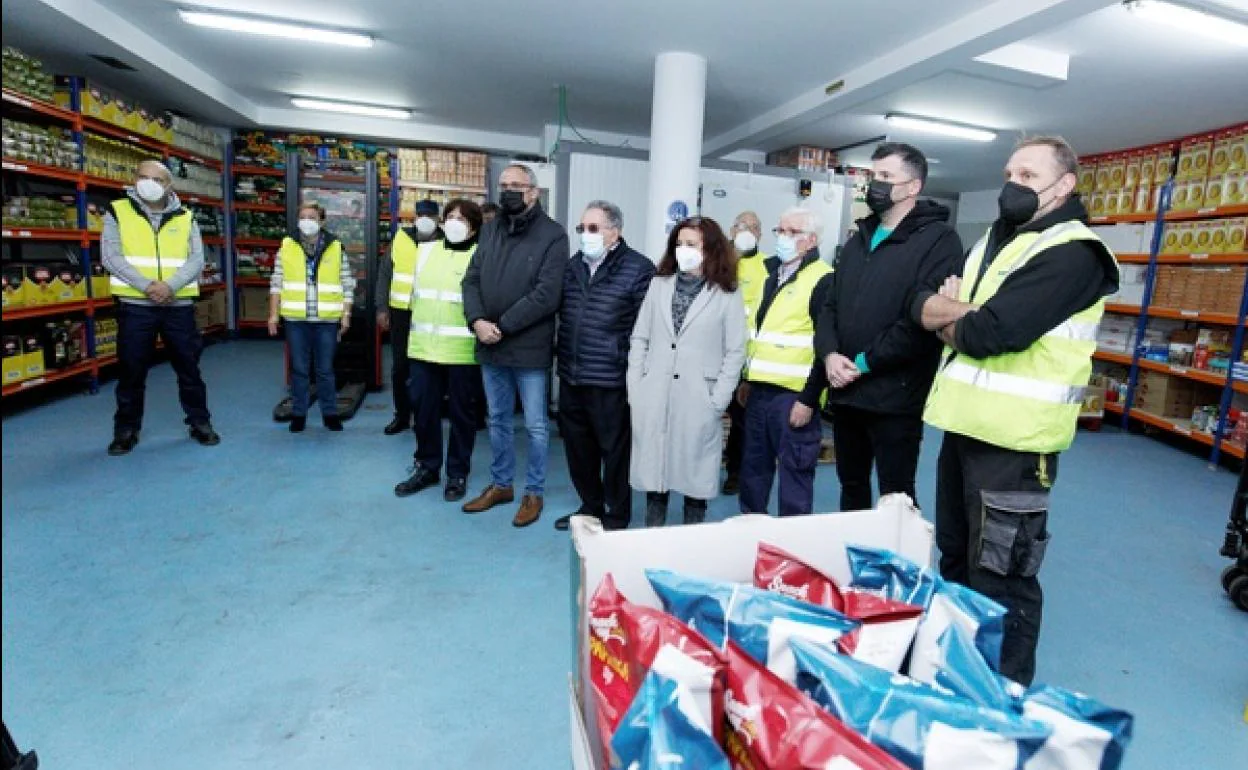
(1235, 546)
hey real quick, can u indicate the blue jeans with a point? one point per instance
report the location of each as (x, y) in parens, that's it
(312, 341)
(501, 383)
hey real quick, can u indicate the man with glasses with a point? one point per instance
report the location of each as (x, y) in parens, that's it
(880, 362)
(784, 383)
(512, 289)
(603, 288)
(746, 232)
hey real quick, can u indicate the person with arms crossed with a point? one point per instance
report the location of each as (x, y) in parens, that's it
(879, 362)
(1020, 326)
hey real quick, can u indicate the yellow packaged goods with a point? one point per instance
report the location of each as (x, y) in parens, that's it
(1096, 207)
(1239, 152)
(1178, 200)
(1143, 198)
(1148, 167)
(1196, 193)
(1173, 235)
(1103, 173)
(14, 360)
(1235, 188)
(38, 286)
(1187, 238)
(1202, 148)
(1220, 160)
(1184, 171)
(1213, 190)
(1117, 173)
(14, 277)
(68, 285)
(1217, 236)
(1235, 233)
(1204, 238)
(1165, 164)
(32, 357)
(1087, 177)
(1133, 170)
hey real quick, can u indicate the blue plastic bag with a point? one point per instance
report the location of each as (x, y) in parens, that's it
(664, 730)
(918, 724)
(884, 572)
(1087, 735)
(760, 622)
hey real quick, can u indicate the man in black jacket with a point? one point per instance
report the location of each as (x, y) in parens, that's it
(880, 363)
(512, 290)
(603, 288)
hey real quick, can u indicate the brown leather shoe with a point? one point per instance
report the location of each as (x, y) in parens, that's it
(530, 511)
(489, 498)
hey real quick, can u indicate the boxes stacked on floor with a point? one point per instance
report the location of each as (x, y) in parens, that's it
(253, 303)
(210, 310)
(819, 641)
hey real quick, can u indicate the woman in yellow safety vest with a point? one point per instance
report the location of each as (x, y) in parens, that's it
(442, 350)
(310, 292)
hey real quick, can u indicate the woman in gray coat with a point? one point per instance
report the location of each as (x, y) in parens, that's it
(684, 360)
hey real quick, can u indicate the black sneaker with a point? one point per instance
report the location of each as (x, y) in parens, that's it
(204, 434)
(333, 422)
(123, 443)
(456, 490)
(397, 426)
(421, 479)
(297, 424)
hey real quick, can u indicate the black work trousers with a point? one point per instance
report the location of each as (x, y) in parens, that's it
(992, 511)
(400, 364)
(889, 443)
(597, 434)
(138, 326)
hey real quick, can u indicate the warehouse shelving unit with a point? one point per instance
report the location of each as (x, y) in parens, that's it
(1228, 386)
(24, 107)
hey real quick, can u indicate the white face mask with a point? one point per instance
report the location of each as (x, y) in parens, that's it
(593, 245)
(309, 227)
(786, 248)
(688, 258)
(455, 230)
(149, 190)
(745, 242)
(425, 226)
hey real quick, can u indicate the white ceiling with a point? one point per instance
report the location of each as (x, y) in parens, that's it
(484, 72)
(1131, 83)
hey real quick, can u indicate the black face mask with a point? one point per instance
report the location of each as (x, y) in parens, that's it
(512, 202)
(1018, 204)
(880, 197)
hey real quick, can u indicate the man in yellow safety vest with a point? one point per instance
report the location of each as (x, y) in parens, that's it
(1020, 326)
(784, 382)
(152, 249)
(394, 297)
(746, 232)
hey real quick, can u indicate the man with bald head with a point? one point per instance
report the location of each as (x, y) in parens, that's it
(152, 249)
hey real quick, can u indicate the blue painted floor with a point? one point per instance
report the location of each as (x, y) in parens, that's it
(269, 603)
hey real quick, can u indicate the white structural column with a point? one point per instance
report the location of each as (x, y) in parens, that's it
(675, 143)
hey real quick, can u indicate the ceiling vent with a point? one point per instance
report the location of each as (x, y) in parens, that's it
(114, 62)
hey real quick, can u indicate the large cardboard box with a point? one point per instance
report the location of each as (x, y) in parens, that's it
(253, 303)
(722, 551)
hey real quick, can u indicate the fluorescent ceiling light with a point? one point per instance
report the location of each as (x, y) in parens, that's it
(1198, 22)
(275, 29)
(943, 127)
(366, 110)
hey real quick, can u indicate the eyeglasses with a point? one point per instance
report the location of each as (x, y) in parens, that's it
(788, 231)
(592, 228)
(515, 187)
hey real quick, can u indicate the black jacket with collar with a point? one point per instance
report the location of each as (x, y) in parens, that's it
(868, 309)
(515, 280)
(598, 314)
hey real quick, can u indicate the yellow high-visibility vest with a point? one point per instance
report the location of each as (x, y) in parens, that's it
(440, 332)
(329, 297)
(404, 253)
(782, 351)
(751, 279)
(1027, 401)
(155, 255)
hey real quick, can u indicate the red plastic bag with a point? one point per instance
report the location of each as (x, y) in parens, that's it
(888, 626)
(772, 726)
(627, 640)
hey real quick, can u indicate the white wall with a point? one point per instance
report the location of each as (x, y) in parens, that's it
(976, 212)
(622, 181)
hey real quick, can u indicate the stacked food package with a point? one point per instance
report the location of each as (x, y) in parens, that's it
(59, 213)
(114, 159)
(25, 75)
(47, 145)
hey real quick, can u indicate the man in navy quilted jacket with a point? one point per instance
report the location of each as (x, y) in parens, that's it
(603, 288)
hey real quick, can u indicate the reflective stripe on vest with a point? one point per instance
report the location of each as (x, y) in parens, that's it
(403, 255)
(1027, 401)
(782, 352)
(155, 256)
(330, 301)
(440, 332)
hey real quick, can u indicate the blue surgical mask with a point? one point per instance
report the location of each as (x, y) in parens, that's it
(786, 248)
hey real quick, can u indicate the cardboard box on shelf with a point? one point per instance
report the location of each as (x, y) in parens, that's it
(1130, 285)
(38, 289)
(721, 551)
(253, 302)
(1163, 395)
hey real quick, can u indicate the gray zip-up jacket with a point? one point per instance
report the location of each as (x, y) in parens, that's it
(115, 263)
